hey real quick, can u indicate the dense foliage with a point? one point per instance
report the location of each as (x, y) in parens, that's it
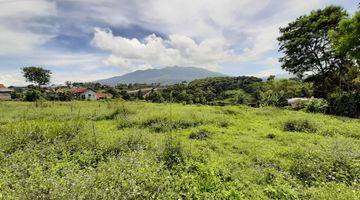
(234, 90)
(307, 47)
(346, 37)
(136, 150)
(37, 75)
(323, 48)
(345, 103)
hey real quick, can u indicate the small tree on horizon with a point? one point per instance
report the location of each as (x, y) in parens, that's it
(37, 75)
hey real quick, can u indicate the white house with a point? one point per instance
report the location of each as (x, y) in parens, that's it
(88, 95)
(297, 102)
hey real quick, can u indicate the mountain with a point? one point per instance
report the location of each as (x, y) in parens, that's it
(164, 76)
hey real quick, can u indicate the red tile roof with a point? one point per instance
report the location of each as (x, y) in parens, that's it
(103, 95)
(2, 86)
(78, 90)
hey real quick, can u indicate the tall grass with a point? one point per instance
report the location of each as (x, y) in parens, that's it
(137, 150)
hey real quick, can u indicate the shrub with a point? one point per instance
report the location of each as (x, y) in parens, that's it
(344, 103)
(157, 125)
(17, 94)
(199, 135)
(59, 96)
(123, 123)
(123, 111)
(271, 98)
(299, 126)
(316, 106)
(237, 97)
(333, 164)
(164, 124)
(271, 135)
(32, 95)
(114, 114)
(173, 153)
(155, 96)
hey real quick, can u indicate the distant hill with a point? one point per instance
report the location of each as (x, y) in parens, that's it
(164, 76)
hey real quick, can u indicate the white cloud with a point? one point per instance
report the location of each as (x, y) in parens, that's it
(83, 61)
(25, 9)
(9, 79)
(14, 16)
(200, 31)
(19, 42)
(157, 52)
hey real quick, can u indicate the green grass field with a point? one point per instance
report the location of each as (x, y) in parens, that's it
(138, 150)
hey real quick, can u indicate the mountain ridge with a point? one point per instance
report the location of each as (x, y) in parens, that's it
(163, 76)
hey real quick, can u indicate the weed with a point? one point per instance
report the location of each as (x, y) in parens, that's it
(164, 124)
(271, 136)
(172, 154)
(62, 151)
(299, 126)
(199, 135)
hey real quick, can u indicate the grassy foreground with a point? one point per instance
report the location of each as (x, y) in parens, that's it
(136, 150)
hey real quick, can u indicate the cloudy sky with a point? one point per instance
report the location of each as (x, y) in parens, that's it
(84, 40)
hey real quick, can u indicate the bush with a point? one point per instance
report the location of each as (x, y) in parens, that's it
(271, 136)
(155, 96)
(299, 126)
(164, 124)
(271, 98)
(59, 96)
(334, 164)
(199, 135)
(237, 97)
(173, 153)
(32, 95)
(120, 111)
(344, 103)
(17, 94)
(124, 123)
(316, 106)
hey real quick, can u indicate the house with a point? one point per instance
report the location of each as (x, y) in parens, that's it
(297, 102)
(84, 93)
(88, 95)
(5, 93)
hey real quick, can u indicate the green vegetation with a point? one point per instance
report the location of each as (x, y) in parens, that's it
(139, 150)
(37, 75)
(346, 37)
(323, 48)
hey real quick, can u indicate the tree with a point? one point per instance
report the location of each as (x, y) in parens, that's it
(114, 92)
(346, 38)
(37, 75)
(271, 78)
(155, 96)
(307, 48)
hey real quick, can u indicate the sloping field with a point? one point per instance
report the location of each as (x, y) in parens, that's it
(136, 150)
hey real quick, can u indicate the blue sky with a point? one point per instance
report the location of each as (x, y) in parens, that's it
(85, 40)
